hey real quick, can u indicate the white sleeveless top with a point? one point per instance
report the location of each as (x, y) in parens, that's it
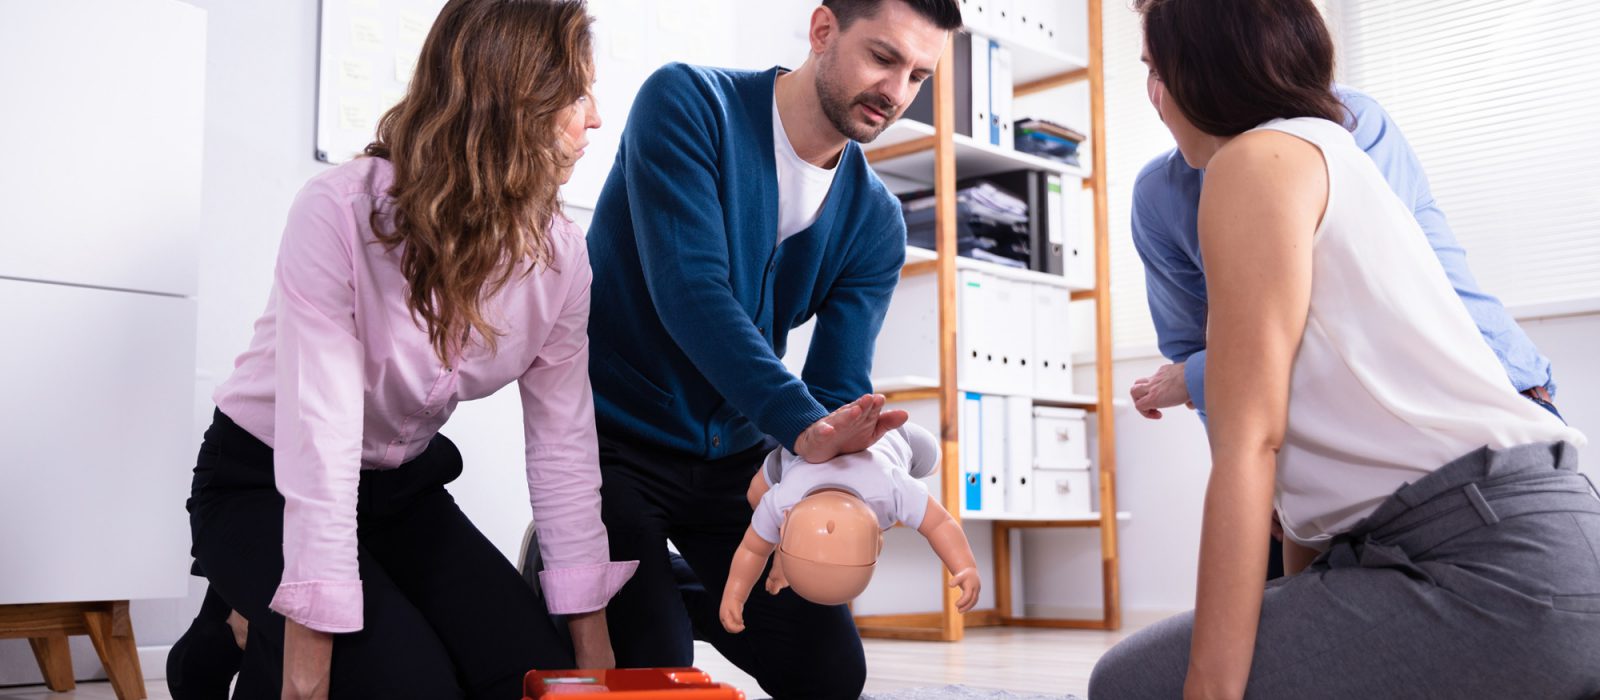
(1392, 379)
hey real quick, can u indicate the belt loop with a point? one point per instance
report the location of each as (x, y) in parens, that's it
(1475, 497)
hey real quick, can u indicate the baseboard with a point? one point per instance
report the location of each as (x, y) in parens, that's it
(17, 666)
(153, 661)
(1061, 611)
(1130, 618)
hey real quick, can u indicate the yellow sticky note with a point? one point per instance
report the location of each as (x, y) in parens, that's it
(355, 114)
(355, 74)
(366, 33)
(413, 27)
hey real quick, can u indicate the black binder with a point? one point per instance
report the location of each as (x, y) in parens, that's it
(921, 108)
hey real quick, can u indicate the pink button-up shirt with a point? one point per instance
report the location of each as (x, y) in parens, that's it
(340, 378)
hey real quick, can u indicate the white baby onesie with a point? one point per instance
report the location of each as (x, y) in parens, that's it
(884, 476)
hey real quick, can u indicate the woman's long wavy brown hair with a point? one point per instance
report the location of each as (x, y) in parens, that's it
(477, 161)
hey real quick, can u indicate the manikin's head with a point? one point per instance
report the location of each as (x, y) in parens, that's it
(828, 546)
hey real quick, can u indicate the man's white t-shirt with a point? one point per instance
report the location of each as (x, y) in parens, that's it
(802, 187)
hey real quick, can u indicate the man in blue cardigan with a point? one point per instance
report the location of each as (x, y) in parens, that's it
(739, 207)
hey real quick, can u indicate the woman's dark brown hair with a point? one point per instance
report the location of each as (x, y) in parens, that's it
(1230, 65)
(477, 167)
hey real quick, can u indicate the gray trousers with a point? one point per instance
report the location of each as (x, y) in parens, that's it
(1480, 580)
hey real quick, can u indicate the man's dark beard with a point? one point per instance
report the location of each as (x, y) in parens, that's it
(838, 107)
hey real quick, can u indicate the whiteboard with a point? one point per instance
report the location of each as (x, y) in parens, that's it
(368, 49)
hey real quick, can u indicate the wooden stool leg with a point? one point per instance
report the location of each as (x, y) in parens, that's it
(55, 661)
(112, 634)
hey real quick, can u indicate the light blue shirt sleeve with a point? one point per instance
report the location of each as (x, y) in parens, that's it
(1166, 203)
(1376, 133)
(1194, 375)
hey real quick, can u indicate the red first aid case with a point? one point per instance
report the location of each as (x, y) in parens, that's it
(627, 684)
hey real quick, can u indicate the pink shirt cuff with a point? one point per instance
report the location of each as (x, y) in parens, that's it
(581, 589)
(325, 606)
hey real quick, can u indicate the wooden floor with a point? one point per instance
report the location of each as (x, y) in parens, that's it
(1020, 660)
(1055, 662)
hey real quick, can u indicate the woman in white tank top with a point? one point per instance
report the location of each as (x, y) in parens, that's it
(1454, 543)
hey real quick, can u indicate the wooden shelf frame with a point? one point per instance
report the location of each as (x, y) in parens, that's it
(1052, 82)
(947, 624)
(905, 151)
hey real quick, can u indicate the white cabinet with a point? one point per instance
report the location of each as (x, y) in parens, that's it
(96, 425)
(100, 179)
(100, 142)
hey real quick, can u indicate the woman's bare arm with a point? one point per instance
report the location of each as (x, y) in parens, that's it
(1264, 194)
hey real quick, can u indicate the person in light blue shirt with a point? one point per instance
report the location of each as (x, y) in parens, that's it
(1166, 203)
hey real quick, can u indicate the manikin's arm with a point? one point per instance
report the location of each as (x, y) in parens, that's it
(775, 580)
(758, 488)
(950, 543)
(748, 561)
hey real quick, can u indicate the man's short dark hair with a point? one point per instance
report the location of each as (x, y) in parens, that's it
(944, 14)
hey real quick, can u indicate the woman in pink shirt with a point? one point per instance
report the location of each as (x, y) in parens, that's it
(437, 268)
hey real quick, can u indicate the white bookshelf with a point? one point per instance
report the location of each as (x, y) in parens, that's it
(915, 254)
(915, 364)
(1030, 63)
(904, 383)
(973, 159)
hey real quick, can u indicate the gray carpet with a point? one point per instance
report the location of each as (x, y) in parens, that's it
(961, 692)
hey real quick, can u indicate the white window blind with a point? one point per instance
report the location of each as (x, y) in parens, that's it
(1498, 99)
(1134, 135)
